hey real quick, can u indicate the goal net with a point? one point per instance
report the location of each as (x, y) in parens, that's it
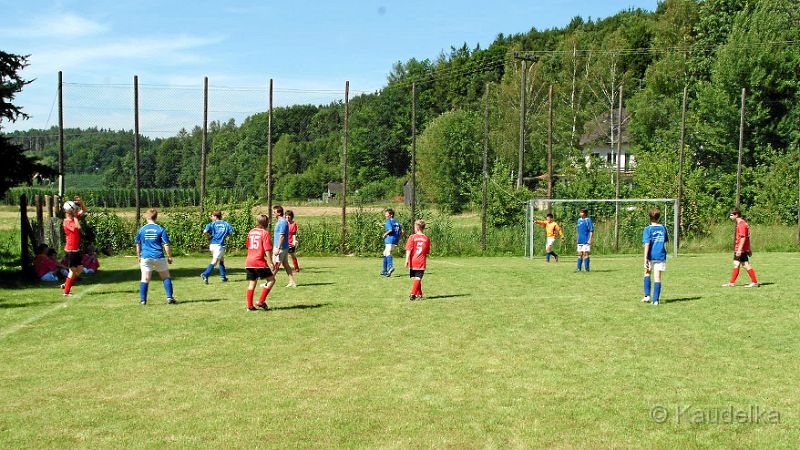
(618, 223)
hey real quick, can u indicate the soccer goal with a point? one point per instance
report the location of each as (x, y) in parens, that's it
(623, 218)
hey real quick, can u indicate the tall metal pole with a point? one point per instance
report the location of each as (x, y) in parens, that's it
(344, 167)
(269, 155)
(204, 149)
(485, 167)
(61, 181)
(550, 148)
(619, 171)
(413, 153)
(741, 152)
(681, 143)
(522, 102)
(136, 161)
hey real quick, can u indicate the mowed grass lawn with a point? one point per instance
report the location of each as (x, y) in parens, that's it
(504, 352)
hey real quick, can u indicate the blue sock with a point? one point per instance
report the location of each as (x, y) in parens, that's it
(389, 262)
(384, 265)
(143, 291)
(656, 291)
(580, 261)
(208, 270)
(586, 263)
(168, 286)
(547, 257)
(554, 254)
(222, 270)
(647, 286)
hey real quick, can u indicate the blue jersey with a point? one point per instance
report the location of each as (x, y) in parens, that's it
(656, 236)
(281, 228)
(394, 227)
(585, 227)
(152, 239)
(219, 230)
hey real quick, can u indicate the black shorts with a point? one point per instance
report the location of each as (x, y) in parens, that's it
(292, 249)
(743, 258)
(254, 273)
(74, 259)
(416, 273)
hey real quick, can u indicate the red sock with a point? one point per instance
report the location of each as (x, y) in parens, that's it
(296, 266)
(419, 288)
(67, 285)
(415, 287)
(263, 297)
(250, 298)
(735, 275)
(752, 274)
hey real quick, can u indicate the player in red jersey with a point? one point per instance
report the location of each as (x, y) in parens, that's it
(73, 211)
(259, 255)
(418, 247)
(741, 250)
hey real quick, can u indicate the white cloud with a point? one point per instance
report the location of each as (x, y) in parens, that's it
(62, 26)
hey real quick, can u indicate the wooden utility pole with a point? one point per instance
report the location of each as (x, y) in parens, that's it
(522, 103)
(344, 167)
(269, 155)
(550, 148)
(619, 171)
(204, 149)
(61, 181)
(741, 152)
(136, 161)
(681, 144)
(485, 167)
(413, 153)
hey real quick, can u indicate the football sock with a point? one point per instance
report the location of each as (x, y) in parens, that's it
(416, 288)
(208, 270)
(419, 288)
(222, 270)
(67, 285)
(586, 263)
(143, 291)
(647, 286)
(656, 291)
(734, 275)
(752, 274)
(249, 298)
(263, 297)
(580, 261)
(554, 254)
(389, 262)
(384, 265)
(168, 286)
(294, 261)
(547, 257)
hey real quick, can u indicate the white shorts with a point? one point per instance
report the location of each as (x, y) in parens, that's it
(154, 264)
(217, 251)
(387, 249)
(658, 265)
(283, 258)
(584, 248)
(550, 242)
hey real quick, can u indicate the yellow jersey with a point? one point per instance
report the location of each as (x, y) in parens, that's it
(550, 227)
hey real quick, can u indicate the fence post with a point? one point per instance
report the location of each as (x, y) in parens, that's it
(619, 172)
(522, 84)
(485, 168)
(677, 226)
(413, 153)
(344, 167)
(679, 201)
(25, 256)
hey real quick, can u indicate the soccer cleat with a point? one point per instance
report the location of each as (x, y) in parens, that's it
(412, 297)
(383, 274)
(390, 272)
(728, 285)
(62, 286)
(654, 303)
(172, 301)
(205, 278)
(752, 285)
(224, 280)
(142, 302)
(556, 257)
(646, 299)
(68, 294)
(291, 285)
(263, 306)
(252, 308)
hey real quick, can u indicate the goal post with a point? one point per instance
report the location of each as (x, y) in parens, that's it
(535, 205)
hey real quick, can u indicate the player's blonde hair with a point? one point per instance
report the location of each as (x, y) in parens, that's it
(420, 224)
(151, 214)
(262, 221)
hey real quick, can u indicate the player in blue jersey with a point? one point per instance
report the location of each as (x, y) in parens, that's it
(391, 237)
(585, 230)
(655, 239)
(216, 231)
(152, 242)
(281, 245)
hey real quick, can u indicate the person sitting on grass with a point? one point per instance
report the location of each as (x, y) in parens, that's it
(418, 247)
(551, 228)
(152, 242)
(259, 255)
(90, 262)
(45, 267)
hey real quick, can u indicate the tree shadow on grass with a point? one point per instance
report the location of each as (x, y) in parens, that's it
(438, 297)
(681, 299)
(768, 283)
(28, 304)
(312, 306)
(315, 284)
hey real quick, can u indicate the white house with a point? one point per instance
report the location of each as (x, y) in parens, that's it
(597, 140)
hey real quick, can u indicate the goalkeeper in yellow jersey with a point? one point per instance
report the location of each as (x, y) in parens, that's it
(551, 228)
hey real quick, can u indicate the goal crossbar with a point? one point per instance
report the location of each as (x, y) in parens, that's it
(530, 208)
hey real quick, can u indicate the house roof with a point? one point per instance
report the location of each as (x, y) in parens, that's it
(598, 130)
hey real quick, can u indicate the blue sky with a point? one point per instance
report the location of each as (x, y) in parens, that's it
(303, 45)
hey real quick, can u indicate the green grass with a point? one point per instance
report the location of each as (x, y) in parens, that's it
(502, 353)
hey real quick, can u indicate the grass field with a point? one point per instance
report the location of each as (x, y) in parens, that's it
(502, 353)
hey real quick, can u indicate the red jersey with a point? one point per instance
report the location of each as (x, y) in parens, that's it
(258, 242)
(90, 262)
(292, 234)
(73, 235)
(419, 245)
(742, 231)
(43, 265)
